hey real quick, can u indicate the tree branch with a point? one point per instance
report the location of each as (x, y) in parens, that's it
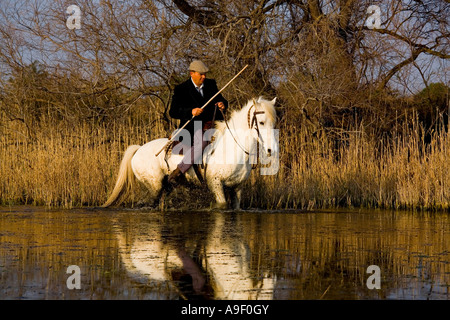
(421, 47)
(399, 66)
(314, 9)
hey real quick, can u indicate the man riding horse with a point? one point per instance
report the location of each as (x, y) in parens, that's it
(187, 100)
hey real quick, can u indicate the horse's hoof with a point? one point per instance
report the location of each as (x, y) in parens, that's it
(219, 206)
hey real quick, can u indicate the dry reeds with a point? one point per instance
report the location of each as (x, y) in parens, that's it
(76, 165)
(396, 172)
(68, 166)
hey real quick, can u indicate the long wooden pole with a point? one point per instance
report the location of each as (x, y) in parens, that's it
(212, 98)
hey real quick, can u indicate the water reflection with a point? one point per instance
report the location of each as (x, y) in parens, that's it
(293, 256)
(139, 254)
(202, 255)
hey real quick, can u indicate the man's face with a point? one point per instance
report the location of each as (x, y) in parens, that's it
(198, 77)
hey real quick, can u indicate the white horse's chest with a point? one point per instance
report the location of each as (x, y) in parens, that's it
(228, 162)
(231, 175)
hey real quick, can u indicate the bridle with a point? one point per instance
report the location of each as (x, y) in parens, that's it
(252, 123)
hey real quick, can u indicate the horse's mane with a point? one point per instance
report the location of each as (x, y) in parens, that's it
(260, 104)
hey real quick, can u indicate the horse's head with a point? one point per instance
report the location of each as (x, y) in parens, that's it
(246, 128)
(261, 121)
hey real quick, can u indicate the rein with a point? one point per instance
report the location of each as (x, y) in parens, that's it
(251, 123)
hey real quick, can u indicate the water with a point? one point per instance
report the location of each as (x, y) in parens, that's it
(143, 254)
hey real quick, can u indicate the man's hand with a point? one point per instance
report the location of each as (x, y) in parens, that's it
(220, 105)
(197, 111)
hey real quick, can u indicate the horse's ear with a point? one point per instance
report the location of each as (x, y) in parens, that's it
(274, 100)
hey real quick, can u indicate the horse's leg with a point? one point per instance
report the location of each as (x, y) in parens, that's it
(153, 180)
(236, 198)
(216, 187)
(154, 192)
(158, 202)
(165, 190)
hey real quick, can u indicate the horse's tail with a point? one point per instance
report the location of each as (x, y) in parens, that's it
(125, 179)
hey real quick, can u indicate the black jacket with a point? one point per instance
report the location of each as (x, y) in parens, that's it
(186, 97)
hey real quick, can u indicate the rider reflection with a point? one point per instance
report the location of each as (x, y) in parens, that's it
(188, 238)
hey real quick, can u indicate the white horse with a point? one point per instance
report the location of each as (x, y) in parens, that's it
(229, 158)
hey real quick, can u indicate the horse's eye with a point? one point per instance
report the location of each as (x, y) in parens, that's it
(261, 123)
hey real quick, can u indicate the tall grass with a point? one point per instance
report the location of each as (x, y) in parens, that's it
(63, 166)
(400, 171)
(69, 165)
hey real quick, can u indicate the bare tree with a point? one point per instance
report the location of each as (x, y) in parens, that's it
(316, 51)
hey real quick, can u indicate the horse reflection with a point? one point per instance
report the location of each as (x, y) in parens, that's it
(201, 257)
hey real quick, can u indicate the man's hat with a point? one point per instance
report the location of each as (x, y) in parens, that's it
(198, 66)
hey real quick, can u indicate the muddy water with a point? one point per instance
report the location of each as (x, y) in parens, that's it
(142, 254)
